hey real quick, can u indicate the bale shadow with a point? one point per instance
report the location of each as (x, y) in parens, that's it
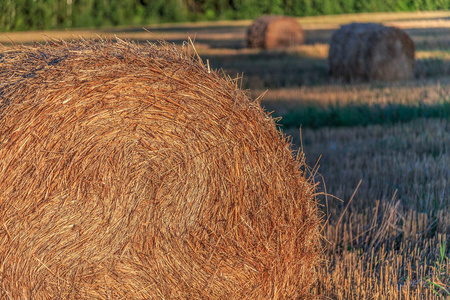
(430, 39)
(272, 69)
(431, 68)
(214, 37)
(318, 36)
(194, 28)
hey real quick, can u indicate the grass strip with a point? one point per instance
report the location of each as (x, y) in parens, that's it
(355, 114)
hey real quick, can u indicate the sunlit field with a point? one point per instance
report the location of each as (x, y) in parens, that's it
(380, 152)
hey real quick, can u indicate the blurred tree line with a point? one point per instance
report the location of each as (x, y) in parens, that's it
(48, 14)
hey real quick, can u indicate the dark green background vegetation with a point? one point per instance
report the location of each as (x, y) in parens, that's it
(50, 14)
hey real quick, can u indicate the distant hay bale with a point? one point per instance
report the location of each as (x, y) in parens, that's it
(370, 51)
(274, 32)
(133, 172)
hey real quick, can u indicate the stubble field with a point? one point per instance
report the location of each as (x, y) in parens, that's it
(380, 152)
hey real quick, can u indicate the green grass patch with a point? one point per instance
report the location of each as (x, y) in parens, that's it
(349, 115)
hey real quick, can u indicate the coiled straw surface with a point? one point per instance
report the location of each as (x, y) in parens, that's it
(275, 32)
(133, 172)
(370, 52)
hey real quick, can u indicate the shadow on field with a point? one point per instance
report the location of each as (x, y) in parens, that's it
(430, 38)
(227, 37)
(431, 68)
(271, 70)
(209, 43)
(318, 36)
(217, 29)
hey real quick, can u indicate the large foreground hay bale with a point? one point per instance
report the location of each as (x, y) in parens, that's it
(370, 51)
(132, 171)
(274, 32)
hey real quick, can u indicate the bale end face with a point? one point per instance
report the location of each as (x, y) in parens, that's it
(275, 32)
(133, 172)
(370, 52)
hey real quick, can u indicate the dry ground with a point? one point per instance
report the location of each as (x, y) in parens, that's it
(385, 238)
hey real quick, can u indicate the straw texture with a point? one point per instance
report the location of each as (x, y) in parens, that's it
(274, 32)
(133, 172)
(370, 51)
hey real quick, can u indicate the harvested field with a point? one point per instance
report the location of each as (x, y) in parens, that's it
(386, 235)
(389, 235)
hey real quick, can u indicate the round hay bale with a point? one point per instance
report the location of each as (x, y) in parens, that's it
(274, 32)
(370, 51)
(133, 172)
